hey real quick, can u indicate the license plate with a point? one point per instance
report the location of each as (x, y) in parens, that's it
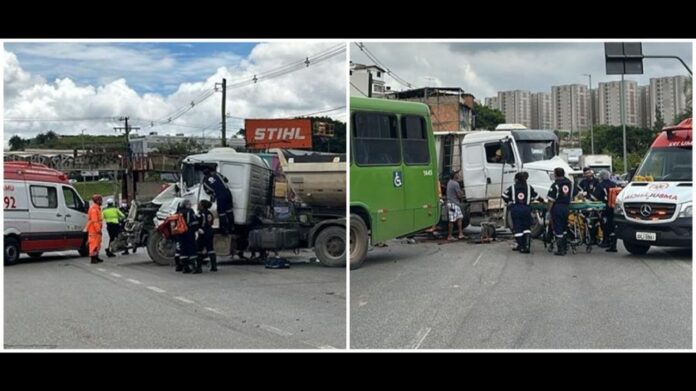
(648, 236)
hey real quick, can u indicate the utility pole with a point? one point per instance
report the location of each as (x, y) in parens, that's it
(591, 120)
(623, 124)
(223, 86)
(129, 167)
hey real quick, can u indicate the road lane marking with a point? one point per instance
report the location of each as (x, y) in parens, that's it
(319, 346)
(362, 303)
(101, 269)
(185, 300)
(478, 259)
(275, 330)
(214, 310)
(156, 289)
(116, 275)
(136, 282)
(420, 337)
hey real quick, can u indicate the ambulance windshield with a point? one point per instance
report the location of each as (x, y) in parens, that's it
(666, 164)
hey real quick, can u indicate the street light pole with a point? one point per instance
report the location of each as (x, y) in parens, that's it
(623, 124)
(591, 120)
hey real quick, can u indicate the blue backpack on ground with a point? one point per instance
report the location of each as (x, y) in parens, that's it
(277, 263)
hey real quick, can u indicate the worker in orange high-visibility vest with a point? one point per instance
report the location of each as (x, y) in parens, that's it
(94, 227)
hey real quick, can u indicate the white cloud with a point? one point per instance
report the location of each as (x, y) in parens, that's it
(485, 68)
(320, 86)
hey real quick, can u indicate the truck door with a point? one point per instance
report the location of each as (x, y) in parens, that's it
(75, 217)
(473, 171)
(47, 222)
(497, 153)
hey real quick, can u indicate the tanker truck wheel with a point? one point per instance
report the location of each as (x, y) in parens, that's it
(330, 246)
(358, 241)
(160, 249)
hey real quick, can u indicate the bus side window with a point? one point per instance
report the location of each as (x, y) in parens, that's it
(415, 140)
(375, 139)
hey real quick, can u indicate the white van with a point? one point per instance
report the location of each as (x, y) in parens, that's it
(43, 212)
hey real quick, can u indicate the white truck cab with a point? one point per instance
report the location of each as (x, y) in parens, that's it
(655, 208)
(42, 212)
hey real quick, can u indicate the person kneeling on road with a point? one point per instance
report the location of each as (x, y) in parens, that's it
(602, 194)
(518, 197)
(560, 194)
(205, 237)
(187, 239)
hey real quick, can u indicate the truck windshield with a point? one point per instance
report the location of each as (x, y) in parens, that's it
(533, 151)
(192, 174)
(667, 164)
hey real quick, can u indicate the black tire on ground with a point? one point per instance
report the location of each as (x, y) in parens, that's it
(35, 255)
(537, 227)
(160, 249)
(636, 249)
(330, 246)
(12, 251)
(358, 241)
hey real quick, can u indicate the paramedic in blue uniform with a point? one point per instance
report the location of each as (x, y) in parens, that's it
(187, 240)
(518, 197)
(215, 185)
(205, 237)
(602, 194)
(587, 187)
(560, 194)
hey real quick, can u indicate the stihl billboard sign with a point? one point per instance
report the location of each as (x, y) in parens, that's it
(278, 133)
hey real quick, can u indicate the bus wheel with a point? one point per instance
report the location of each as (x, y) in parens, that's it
(330, 246)
(11, 251)
(160, 249)
(358, 241)
(636, 249)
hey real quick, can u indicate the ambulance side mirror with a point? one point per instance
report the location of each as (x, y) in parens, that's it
(629, 175)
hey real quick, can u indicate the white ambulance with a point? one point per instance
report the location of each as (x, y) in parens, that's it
(42, 212)
(655, 208)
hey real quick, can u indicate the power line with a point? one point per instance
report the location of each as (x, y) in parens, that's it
(358, 88)
(113, 119)
(391, 73)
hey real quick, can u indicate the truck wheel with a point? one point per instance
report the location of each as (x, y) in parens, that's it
(537, 226)
(330, 246)
(160, 249)
(358, 241)
(636, 249)
(12, 251)
(35, 255)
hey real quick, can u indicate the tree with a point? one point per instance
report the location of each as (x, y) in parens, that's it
(17, 143)
(609, 141)
(688, 113)
(335, 144)
(659, 121)
(486, 117)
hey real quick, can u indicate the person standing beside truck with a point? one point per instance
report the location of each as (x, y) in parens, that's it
(602, 194)
(113, 217)
(560, 194)
(205, 237)
(187, 238)
(454, 209)
(215, 185)
(94, 228)
(518, 197)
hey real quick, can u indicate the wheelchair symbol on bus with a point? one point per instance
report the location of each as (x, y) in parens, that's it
(398, 181)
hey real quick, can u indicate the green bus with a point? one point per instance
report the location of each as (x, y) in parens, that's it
(393, 172)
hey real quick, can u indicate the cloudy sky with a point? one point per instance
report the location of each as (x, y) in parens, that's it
(485, 68)
(87, 82)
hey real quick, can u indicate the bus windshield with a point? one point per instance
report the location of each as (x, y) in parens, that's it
(667, 164)
(534, 151)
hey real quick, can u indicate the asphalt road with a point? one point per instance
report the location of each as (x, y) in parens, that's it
(485, 296)
(63, 302)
